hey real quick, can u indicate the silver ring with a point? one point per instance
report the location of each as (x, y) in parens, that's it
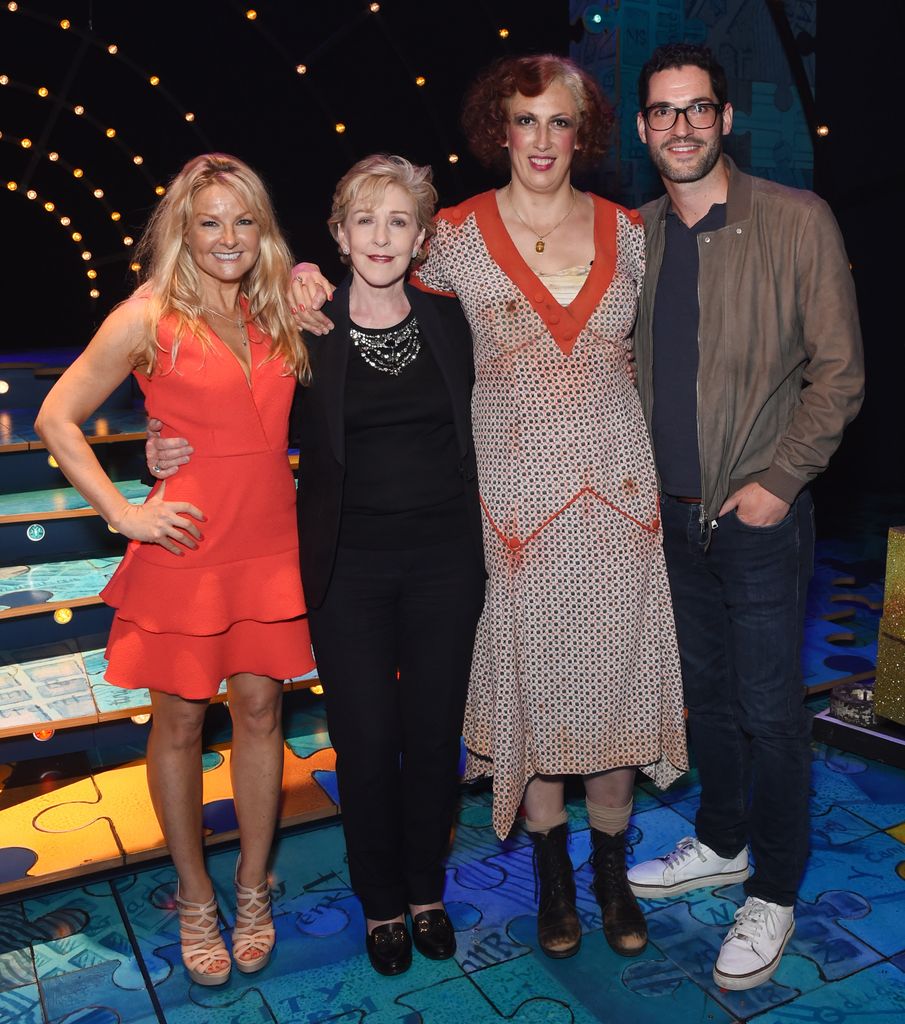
(155, 468)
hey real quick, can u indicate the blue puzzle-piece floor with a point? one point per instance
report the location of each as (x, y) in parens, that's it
(96, 952)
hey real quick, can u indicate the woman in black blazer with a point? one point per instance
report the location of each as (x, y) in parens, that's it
(391, 553)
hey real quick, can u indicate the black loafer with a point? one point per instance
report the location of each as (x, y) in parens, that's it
(433, 935)
(390, 948)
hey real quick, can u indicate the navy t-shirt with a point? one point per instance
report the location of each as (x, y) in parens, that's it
(674, 424)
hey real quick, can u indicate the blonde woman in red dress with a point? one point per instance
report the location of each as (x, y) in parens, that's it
(209, 587)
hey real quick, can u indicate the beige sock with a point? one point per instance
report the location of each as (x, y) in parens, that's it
(545, 826)
(611, 820)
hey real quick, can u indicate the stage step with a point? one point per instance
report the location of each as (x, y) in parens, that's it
(61, 686)
(109, 424)
(59, 503)
(45, 586)
(45, 601)
(57, 523)
(25, 384)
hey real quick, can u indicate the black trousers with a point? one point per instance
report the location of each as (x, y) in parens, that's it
(393, 642)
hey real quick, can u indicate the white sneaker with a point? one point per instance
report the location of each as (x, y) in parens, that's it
(754, 944)
(691, 865)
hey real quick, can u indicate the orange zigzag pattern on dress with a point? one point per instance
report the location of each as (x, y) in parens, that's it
(517, 543)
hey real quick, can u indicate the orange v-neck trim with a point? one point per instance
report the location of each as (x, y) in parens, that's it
(564, 323)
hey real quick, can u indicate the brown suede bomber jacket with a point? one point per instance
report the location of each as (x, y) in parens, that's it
(781, 368)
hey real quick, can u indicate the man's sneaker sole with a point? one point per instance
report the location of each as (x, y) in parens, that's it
(655, 892)
(739, 982)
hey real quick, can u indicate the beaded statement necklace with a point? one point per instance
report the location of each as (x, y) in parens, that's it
(390, 350)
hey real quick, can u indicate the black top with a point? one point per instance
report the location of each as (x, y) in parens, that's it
(674, 420)
(319, 427)
(403, 486)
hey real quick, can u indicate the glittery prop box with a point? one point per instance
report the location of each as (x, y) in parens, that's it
(889, 689)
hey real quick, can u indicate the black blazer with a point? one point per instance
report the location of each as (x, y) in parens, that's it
(318, 427)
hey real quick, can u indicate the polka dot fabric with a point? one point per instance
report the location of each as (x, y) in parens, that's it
(575, 667)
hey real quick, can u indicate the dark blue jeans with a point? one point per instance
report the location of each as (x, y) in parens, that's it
(739, 606)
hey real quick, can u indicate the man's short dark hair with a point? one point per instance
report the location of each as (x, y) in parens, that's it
(677, 55)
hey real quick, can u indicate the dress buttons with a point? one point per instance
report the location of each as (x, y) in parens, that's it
(554, 319)
(539, 297)
(706, 238)
(738, 231)
(568, 336)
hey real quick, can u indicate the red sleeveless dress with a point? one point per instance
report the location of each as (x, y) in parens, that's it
(234, 604)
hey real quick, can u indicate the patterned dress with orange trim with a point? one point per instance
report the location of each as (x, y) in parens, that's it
(575, 667)
(235, 604)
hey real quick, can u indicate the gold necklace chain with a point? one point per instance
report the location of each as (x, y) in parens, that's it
(539, 244)
(235, 322)
(240, 323)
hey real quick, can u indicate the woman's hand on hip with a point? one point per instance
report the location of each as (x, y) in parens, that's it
(161, 522)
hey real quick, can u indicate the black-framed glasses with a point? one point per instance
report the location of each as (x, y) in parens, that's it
(661, 117)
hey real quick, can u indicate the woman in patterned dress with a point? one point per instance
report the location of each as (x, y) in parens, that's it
(575, 667)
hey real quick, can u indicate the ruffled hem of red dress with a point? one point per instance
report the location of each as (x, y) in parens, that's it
(192, 667)
(206, 600)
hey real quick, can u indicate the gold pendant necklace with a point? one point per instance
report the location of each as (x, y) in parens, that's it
(240, 322)
(539, 244)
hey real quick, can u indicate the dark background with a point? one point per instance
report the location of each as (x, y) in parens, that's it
(238, 77)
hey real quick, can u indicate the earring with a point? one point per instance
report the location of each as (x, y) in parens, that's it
(415, 255)
(345, 251)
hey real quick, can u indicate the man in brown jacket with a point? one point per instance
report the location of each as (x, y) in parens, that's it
(749, 368)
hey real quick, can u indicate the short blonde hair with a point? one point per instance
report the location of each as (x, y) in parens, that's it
(171, 281)
(367, 181)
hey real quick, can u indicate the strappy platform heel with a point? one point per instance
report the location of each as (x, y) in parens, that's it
(201, 941)
(254, 929)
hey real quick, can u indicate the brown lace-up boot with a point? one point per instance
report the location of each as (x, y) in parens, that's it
(558, 926)
(623, 923)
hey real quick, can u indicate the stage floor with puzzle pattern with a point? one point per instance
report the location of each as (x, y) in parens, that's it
(107, 952)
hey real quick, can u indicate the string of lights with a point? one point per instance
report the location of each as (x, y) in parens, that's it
(114, 50)
(78, 110)
(341, 125)
(308, 65)
(54, 157)
(135, 159)
(50, 206)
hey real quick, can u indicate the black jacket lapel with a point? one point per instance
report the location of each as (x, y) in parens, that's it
(330, 369)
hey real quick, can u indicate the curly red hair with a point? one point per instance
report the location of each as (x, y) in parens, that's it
(485, 111)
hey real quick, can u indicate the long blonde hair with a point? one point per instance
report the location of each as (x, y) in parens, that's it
(170, 278)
